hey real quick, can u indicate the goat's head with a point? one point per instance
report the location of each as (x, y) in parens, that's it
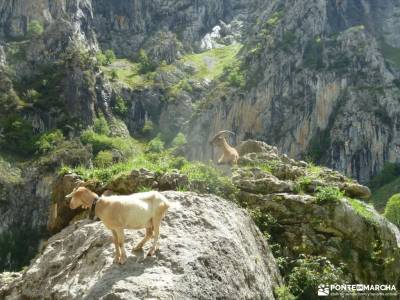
(219, 138)
(81, 196)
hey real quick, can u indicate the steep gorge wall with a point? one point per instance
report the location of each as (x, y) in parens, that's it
(322, 81)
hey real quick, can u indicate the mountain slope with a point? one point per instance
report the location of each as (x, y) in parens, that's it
(322, 81)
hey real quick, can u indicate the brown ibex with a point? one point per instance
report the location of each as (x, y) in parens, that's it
(229, 154)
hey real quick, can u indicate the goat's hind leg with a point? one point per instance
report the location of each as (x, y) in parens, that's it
(148, 235)
(116, 244)
(156, 225)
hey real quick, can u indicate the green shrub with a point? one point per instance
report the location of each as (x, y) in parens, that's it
(283, 293)
(262, 219)
(35, 29)
(101, 58)
(49, 141)
(207, 179)
(103, 159)
(66, 153)
(392, 209)
(179, 140)
(302, 183)
(110, 56)
(32, 96)
(17, 135)
(235, 75)
(99, 142)
(309, 272)
(101, 126)
(9, 101)
(148, 128)
(156, 145)
(120, 106)
(145, 64)
(328, 193)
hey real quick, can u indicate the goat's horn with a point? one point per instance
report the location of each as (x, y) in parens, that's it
(221, 133)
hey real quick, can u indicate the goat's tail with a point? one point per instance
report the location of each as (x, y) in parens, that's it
(169, 204)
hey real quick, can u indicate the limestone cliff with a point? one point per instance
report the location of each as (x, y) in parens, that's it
(322, 81)
(322, 77)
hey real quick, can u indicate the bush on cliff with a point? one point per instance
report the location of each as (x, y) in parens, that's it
(329, 193)
(392, 210)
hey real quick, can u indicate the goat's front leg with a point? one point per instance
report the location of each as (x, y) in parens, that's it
(221, 160)
(116, 244)
(121, 239)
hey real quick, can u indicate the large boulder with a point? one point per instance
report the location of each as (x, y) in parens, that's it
(209, 249)
(256, 181)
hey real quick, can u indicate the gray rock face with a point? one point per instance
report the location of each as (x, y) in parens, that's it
(124, 26)
(22, 223)
(256, 181)
(322, 80)
(346, 231)
(209, 249)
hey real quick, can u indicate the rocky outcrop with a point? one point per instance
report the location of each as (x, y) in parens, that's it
(209, 249)
(345, 230)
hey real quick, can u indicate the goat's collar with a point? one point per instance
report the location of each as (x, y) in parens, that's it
(92, 213)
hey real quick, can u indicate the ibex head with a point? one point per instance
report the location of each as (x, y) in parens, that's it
(220, 137)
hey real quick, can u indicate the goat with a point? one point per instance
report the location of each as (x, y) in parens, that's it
(229, 154)
(135, 211)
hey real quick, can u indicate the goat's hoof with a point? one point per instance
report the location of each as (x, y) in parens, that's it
(137, 248)
(151, 252)
(122, 260)
(116, 260)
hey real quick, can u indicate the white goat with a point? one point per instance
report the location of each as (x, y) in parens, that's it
(136, 211)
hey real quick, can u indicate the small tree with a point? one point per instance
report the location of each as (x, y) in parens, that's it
(110, 56)
(144, 61)
(35, 29)
(120, 106)
(101, 126)
(179, 140)
(101, 58)
(49, 141)
(392, 210)
(156, 145)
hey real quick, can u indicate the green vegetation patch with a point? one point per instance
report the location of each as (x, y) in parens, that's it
(129, 73)
(384, 185)
(101, 142)
(328, 194)
(202, 177)
(362, 209)
(309, 271)
(392, 210)
(210, 64)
